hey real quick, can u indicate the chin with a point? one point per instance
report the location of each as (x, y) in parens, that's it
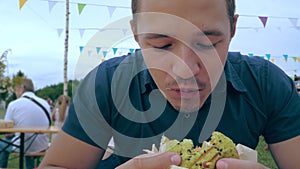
(187, 108)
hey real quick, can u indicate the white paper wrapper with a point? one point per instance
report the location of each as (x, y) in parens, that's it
(246, 153)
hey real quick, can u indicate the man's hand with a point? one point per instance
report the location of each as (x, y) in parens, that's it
(230, 163)
(152, 161)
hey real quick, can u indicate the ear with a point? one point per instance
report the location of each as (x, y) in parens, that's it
(134, 31)
(235, 18)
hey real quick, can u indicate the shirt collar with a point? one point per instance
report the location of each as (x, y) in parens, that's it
(231, 77)
(30, 94)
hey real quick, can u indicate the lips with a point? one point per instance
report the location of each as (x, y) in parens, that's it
(185, 92)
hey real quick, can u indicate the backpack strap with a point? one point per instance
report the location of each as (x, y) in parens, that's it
(39, 104)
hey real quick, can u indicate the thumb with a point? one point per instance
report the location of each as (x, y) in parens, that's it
(152, 161)
(231, 163)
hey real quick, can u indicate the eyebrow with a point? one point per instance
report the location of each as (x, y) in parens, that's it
(204, 33)
(153, 36)
(211, 33)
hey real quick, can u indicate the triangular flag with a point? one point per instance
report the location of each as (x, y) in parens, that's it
(115, 50)
(51, 5)
(131, 50)
(295, 59)
(268, 56)
(285, 57)
(21, 3)
(272, 60)
(80, 7)
(256, 29)
(264, 20)
(89, 53)
(59, 31)
(111, 10)
(298, 59)
(294, 21)
(124, 31)
(104, 53)
(102, 60)
(98, 49)
(250, 54)
(81, 48)
(81, 32)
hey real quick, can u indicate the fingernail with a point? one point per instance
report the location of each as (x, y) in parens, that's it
(222, 165)
(175, 159)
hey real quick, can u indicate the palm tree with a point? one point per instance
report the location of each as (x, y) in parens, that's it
(65, 90)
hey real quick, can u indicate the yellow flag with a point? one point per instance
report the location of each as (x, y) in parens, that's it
(272, 60)
(298, 59)
(22, 2)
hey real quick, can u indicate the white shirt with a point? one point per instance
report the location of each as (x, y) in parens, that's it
(24, 112)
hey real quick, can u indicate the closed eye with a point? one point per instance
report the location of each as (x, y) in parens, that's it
(204, 46)
(163, 47)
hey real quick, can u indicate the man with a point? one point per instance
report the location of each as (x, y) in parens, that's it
(25, 112)
(176, 86)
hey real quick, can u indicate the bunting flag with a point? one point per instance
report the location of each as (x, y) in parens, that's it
(256, 29)
(89, 53)
(98, 49)
(264, 20)
(80, 7)
(81, 32)
(104, 53)
(268, 56)
(251, 54)
(298, 60)
(131, 50)
(272, 60)
(59, 31)
(295, 59)
(285, 57)
(115, 50)
(81, 48)
(294, 21)
(102, 60)
(124, 31)
(51, 5)
(111, 10)
(21, 3)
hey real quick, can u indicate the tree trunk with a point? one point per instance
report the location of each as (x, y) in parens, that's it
(65, 92)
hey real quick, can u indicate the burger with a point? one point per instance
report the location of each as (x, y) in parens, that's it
(204, 157)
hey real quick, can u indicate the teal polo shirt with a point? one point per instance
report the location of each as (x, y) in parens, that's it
(120, 99)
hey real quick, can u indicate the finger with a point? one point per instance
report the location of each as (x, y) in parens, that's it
(231, 163)
(154, 161)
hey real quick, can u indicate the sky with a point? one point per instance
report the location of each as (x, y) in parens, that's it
(35, 35)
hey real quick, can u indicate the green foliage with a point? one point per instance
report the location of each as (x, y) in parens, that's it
(52, 92)
(265, 157)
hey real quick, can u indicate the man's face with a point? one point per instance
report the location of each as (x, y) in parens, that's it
(185, 45)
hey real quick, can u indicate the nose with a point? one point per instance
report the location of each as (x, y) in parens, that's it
(187, 63)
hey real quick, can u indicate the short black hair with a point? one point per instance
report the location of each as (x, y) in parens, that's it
(230, 10)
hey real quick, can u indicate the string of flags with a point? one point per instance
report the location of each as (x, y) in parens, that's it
(272, 58)
(104, 51)
(111, 10)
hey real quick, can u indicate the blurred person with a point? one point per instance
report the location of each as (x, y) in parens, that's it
(25, 112)
(60, 110)
(171, 87)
